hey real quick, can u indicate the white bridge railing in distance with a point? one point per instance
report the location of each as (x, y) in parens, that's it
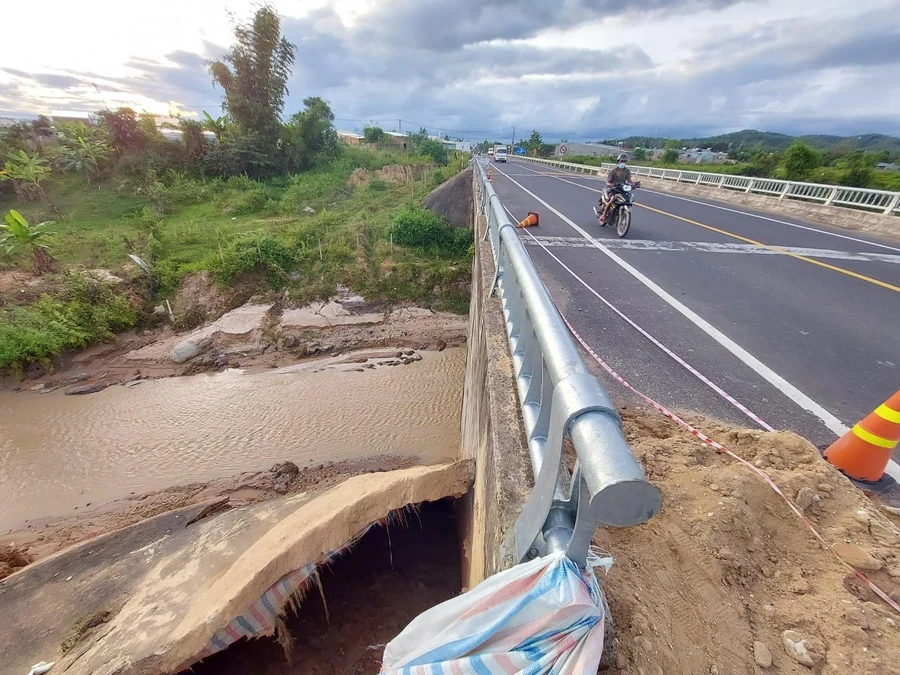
(877, 201)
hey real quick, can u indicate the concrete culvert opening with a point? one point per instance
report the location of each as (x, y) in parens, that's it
(359, 602)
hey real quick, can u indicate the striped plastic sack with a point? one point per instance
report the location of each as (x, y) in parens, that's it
(543, 616)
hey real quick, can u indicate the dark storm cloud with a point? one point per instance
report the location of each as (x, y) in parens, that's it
(445, 25)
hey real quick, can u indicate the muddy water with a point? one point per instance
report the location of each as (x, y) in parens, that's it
(59, 452)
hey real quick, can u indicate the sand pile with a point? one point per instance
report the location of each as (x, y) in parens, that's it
(728, 580)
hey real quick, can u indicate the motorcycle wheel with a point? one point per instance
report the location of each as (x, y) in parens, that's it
(623, 222)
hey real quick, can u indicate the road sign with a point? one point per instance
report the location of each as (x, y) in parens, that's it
(563, 150)
(520, 150)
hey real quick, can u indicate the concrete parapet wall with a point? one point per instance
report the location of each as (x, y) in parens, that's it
(852, 219)
(492, 431)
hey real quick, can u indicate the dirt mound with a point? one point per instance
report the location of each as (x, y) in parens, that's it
(199, 299)
(727, 576)
(454, 200)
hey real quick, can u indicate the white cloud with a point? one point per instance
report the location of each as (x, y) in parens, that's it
(581, 67)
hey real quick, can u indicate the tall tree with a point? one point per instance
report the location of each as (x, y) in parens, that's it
(534, 143)
(309, 136)
(254, 77)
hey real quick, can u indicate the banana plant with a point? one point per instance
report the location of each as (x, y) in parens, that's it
(17, 235)
(26, 173)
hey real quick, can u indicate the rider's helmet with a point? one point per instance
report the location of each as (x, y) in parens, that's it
(622, 158)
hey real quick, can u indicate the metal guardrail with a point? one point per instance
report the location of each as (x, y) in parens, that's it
(559, 399)
(878, 201)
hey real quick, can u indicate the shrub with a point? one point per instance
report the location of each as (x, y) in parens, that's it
(89, 310)
(417, 227)
(255, 252)
(312, 188)
(241, 195)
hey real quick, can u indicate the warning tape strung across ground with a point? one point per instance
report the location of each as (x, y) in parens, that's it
(721, 448)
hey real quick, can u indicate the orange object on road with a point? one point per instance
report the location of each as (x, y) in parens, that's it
(864, 451)
(491, 174)
(532, 219)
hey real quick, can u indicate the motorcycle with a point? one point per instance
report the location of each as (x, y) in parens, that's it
(619, 214)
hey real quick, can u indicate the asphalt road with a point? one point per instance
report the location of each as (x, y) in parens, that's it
(807, 335)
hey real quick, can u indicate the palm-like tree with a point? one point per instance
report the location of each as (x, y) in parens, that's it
(86, 156)
(17, 235)
(26, 173)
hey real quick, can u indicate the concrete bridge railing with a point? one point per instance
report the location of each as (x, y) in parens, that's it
(849, 207)
(884, 202)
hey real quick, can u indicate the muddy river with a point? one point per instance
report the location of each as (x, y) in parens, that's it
(59, 452)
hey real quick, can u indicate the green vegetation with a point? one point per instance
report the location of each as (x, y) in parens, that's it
(87, 310)
(265, 205)
(750, 140)
(800, 162)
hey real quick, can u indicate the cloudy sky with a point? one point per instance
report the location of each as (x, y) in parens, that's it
(477, 68)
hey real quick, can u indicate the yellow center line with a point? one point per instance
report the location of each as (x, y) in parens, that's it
(849, 273)
(804, 258)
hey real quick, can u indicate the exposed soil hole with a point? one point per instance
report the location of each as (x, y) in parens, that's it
(372, 593)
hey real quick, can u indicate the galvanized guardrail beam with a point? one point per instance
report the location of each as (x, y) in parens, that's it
(879, 201)
(560, 400)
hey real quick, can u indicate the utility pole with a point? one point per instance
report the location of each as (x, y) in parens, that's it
(514, 139)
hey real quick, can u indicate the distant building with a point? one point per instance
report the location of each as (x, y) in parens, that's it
(887, 166)
(350, 137)
(397, 139)
(698, 156)
(70, 116)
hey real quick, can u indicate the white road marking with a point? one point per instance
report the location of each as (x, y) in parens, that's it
(718, 247)
(721, 208)
(696, 373)
(789, 390)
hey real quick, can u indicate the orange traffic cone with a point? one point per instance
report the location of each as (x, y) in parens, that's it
(532, 219)
(863, 452)
(491, 174)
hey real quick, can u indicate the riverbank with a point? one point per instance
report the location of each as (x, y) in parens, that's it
(258, 387)
(125, 251)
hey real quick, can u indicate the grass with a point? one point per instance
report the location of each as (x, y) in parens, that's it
(302, 234)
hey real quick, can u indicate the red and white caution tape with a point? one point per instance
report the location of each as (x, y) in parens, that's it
(722, 449)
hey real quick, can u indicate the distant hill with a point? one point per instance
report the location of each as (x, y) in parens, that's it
(750, 139)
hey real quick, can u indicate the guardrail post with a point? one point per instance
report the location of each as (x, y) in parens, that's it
(722, 180)
(678, 177)
(750, 185)
(831, 197)
(895, 202)
(785, 191)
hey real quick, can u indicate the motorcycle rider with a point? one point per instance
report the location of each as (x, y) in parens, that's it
(620, 175)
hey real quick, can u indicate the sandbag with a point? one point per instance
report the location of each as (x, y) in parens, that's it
(543, 616)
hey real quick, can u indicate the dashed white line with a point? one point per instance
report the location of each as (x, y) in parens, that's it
(720, 247)
(721, 208)
(789, 390)
(687, 366)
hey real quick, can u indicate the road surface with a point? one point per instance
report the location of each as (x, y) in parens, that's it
(798, 322)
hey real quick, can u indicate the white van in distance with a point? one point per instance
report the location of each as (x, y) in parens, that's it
(500, 154)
